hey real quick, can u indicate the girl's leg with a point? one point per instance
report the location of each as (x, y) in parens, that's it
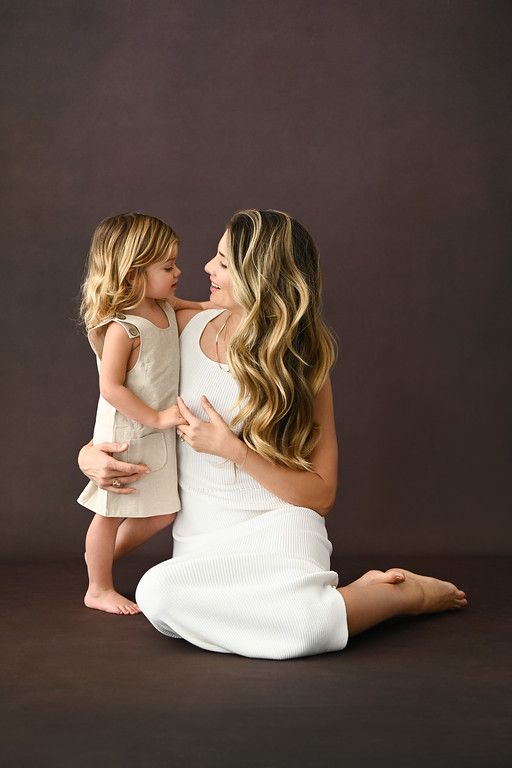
(372, 600)
(99, 551)
(136, 530)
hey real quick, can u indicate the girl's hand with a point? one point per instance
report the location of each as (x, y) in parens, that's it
(98, 464)
(213, 436)
(171, 417)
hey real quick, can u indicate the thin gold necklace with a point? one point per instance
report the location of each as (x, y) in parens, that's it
(217, 342)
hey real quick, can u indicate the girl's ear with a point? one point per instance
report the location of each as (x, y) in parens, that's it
(131, 276)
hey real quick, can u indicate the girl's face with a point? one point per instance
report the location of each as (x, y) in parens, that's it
(220, 279)
(162, 279)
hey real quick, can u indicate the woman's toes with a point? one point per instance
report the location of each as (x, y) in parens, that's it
(396, 574)
(374, 577)
(391, 576)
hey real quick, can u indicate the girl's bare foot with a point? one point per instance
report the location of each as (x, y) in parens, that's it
(391, 576)
(433, 595)
(110, 601)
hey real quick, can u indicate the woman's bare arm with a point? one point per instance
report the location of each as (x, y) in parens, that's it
(314, 489)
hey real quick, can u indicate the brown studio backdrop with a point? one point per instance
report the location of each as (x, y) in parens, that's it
(383, 126)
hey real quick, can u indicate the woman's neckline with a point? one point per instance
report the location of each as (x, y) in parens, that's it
(224, 366)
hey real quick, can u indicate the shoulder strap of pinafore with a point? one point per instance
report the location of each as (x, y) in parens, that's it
(96, 335)
(169, 311)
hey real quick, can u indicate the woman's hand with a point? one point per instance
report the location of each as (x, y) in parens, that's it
(98, 464)
(213, 436)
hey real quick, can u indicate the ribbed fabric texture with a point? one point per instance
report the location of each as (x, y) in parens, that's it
(250, 573)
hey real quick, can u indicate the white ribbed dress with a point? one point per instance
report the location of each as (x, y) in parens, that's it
(250, 573)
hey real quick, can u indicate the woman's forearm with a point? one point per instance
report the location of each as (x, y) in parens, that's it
(299, 487)
(315, 489)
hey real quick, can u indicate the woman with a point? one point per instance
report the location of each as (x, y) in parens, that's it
(258, 467)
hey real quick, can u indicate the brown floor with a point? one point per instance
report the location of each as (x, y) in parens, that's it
(84, 688)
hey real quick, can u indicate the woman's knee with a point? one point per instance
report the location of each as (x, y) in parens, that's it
(151, 592)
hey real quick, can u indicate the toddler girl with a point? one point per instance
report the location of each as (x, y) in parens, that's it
(132, 275)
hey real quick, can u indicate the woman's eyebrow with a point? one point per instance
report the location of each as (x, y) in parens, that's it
(221, 254)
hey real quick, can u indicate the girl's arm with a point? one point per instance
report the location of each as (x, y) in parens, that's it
(117, 348)
(177, 304)
(315, 489)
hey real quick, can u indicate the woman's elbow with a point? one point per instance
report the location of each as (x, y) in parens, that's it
(324, 509)
(325, 503)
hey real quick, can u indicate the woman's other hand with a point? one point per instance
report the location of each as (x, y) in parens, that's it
(98, 464)
(213, 436)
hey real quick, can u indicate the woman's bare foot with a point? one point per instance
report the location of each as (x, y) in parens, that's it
(433, 595)
(110, 601)
(391, 576)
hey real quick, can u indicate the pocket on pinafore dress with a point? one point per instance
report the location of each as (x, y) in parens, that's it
(150, 449)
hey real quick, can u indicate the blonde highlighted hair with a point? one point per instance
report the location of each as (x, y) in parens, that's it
(122, 247)
(282, 350)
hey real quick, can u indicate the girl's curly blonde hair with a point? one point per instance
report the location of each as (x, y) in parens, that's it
(122, 247)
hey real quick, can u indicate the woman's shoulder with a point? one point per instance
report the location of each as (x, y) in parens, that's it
(184, 316)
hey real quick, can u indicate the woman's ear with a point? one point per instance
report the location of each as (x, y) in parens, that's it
(130, 277)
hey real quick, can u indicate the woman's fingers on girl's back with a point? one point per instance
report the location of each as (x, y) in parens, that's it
(128, 479)
(111, 489)
(128, 470)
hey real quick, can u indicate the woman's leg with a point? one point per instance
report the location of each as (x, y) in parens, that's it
(136, 530)
(99, 551)
(373, 599)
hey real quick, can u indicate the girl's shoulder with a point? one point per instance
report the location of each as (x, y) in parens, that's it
(118, 326)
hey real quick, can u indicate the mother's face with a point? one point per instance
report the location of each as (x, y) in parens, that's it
(220, 279)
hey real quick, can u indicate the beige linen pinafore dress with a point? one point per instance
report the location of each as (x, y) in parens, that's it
(154, 379)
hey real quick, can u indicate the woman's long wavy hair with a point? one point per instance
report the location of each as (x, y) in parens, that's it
(282, 350)
(122, 248)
